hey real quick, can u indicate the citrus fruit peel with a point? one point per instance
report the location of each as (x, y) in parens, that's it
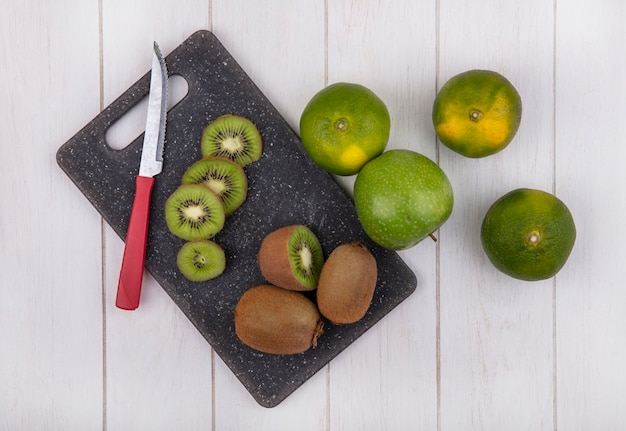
(528, 234)
(477, 113)
(344, 126)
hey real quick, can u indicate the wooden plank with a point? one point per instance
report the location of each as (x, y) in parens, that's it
(50, 300)
(496, 332)
(268, 39)
(388, 378)
(159, 368)
(277, 43)
(590, 307)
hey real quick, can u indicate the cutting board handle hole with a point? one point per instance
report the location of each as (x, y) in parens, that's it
(133, 123)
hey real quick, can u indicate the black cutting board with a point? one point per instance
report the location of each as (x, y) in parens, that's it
(285, 187)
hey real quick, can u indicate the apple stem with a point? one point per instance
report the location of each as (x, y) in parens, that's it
(433, 237)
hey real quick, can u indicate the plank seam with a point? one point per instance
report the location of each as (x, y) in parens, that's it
(102, 228)
(438, 248)
(554, 167)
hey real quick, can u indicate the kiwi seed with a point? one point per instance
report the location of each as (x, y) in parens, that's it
(292, 258)
(193, 212)
(347, 283)
(278, 321)
(201, 260)
(233, 137)
(225, 177)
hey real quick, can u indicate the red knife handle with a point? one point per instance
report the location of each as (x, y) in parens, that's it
(131, 274)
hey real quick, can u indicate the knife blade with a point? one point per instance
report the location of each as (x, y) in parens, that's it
(131, 272)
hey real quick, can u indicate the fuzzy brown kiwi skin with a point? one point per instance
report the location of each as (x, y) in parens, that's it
(277, 321)
(273, 258)
(347, 283)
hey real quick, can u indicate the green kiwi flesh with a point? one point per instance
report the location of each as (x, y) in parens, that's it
(225, 177)
(193, 212)
(305, 255)
(233, 137)
(201, 260)
(291, 257)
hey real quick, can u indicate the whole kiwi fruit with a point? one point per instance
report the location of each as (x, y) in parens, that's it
(347, 283)
(291, 257)
(277, 321)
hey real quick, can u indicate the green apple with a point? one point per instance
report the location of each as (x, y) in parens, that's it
(401, 197)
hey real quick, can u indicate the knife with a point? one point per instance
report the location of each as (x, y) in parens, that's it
(131, 273)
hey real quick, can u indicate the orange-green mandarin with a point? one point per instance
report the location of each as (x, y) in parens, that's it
(528, 234)
(343, 127)
(477, 113)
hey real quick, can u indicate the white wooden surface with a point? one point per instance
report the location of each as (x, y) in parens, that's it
(471, 349)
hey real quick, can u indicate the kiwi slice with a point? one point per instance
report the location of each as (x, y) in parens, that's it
(225, 177)
(292, 258)
(201, 260)
(233, 137)
(193, 211)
